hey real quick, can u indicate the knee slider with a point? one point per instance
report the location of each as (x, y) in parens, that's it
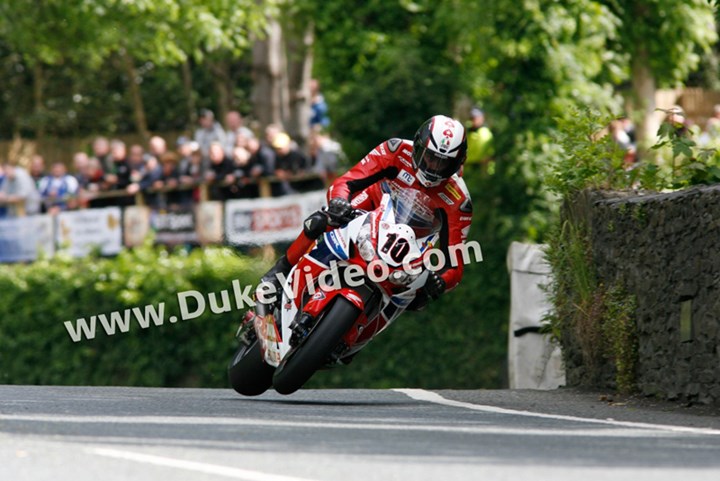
(315, 225)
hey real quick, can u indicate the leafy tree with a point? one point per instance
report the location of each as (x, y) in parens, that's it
(664, 40)
(132, 34)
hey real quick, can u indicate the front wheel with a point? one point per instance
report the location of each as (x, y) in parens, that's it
(299, 366)
(249, 374)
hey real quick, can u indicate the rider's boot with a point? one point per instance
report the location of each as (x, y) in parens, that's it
(280, 270)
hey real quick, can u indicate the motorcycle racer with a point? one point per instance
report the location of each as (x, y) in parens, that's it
(429, 163)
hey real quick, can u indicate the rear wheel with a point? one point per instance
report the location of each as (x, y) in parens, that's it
(299, 366)
(249, 374)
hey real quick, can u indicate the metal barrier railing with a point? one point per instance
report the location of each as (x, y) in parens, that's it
(85, 197)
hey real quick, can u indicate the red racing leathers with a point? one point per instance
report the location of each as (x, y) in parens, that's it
(392, 161)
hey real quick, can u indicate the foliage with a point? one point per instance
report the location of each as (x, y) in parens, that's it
(598, 319)
(587, 158)
(620, 332)
(574, 290)
(35, 347)
(72, 58)
(384, 79)
(670, 35)
(429, 349)
(686, 162)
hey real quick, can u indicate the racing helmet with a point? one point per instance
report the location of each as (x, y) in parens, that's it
(439, 150)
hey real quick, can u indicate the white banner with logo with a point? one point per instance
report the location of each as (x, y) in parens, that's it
(268, 220)
(78, 232)
(24, 239)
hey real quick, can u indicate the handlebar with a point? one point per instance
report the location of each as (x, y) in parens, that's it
(336, 220)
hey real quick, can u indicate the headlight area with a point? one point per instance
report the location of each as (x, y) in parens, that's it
(364, 244)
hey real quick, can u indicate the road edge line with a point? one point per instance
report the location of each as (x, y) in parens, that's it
(435, 398)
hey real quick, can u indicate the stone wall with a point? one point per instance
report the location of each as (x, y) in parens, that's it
(665, 250)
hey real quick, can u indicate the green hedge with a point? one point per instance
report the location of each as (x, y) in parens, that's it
(36, 300)
(447, 345)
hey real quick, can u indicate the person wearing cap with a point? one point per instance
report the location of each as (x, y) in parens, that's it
(480, 143)
(288, 161)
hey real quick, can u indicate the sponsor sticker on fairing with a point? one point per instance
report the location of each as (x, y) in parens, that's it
(406, 177)
(445, 198)
(453, 191)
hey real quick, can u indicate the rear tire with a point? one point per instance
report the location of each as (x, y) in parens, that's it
(299, 366)
(249, 375)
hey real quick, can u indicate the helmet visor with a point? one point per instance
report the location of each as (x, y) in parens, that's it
(437, 166)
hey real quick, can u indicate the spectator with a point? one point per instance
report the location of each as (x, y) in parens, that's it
(236, 133)
(271, 131)
(81, 164)
(241, 160)
(170, 179)
(58, 189)
(37, 168)
(221, 172)
(150, 178)
(288, 161)
(191, 168)
(137, 163)
(157, 147)
(318, 107)
(208, 132)
(480, 143)
(117, 175)
(629, 129)
(262, 159)
(88, 174)
(191, 163)
(19, 188)
(95, 175)
(676, 118)
(101, 152)
(623, 140)
(325, 154)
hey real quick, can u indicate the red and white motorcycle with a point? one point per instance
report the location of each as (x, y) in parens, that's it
(351, 286)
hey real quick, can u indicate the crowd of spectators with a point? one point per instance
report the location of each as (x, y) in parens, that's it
(224, 161)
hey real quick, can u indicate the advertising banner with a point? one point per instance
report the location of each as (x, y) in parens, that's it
(80, 231)
(136, 224)
(268, 220)
(24, 239)
(209, 222)
(173, 228)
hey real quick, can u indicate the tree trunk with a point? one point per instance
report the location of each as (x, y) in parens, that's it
(223, 85)
(39, 100)
(644, 89)
(269, 101)
(189, 94)
(300, 60)
(135, 95)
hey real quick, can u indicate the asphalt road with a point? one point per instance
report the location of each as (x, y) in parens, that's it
(83, 433)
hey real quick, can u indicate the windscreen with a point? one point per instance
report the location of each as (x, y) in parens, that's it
(414, 208)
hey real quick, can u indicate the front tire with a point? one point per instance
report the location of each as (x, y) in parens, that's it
(299, 366)
(248, 373)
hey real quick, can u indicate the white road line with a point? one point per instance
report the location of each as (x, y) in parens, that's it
(205, 468)
(431, 397)
(325, 423)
